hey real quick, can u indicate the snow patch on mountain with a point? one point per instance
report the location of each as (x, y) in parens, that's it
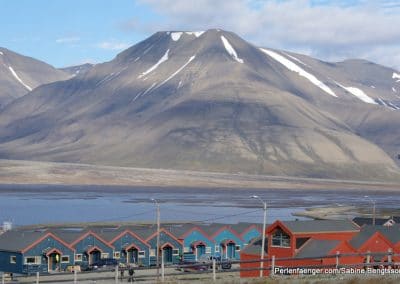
(177, 71)
(295, 68)
(396, 76)
(18, 78)
(231, 51)
(154, 67)
(359, 94)
(176, 35)
(295, 59)
(1, 53)
(196, 34)
(394, 90)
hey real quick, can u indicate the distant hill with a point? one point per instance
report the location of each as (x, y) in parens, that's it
(20, 74)
(78, 69)
(212, 101)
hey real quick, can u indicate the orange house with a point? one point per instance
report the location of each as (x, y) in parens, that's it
(298, 239)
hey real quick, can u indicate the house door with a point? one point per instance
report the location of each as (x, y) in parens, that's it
(200, 250)
(94, 256)
(167, 254)
(230, 250)
(132, 255)
(53, 261)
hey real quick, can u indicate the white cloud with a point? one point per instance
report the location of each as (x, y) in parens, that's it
(327, 29)
(68, 40)
(113, 45)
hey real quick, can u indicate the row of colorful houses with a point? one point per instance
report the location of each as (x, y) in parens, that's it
(48, 250)
(298, 244)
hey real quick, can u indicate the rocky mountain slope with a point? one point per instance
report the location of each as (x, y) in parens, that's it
(212, 101)
(21, 74)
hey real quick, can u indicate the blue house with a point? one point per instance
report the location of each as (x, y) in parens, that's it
(196, 242)
(170, 249)
(247, 231)
(89, 247)
(227, 242)
(26, 252)
(129, 248)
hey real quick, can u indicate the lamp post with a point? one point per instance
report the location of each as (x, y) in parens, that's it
(373, 209)
(263, 233)
(158, 239)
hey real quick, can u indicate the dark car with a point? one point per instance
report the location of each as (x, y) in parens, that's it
(221, 263)
(187, 266)
(104, 263)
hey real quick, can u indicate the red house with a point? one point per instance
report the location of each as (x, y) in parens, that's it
(303, 239)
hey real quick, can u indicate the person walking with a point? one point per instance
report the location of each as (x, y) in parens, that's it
(131, 274)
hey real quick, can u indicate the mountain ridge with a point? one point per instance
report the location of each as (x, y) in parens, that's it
(211, 101)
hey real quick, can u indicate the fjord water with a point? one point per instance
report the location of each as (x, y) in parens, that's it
(38, 204)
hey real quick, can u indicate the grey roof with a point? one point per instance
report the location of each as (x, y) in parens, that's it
(316, 248)
(254, 248)
(314, 226)
(361, 221)
(392, 233)
(241, 227)
(17, 240)
(69, 235)
(178, 229)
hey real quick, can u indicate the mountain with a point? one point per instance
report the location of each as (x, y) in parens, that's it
(20, 74)
(212, 101)
(77, 69)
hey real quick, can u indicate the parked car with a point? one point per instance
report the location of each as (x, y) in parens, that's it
(104, 263)
(221, 263)
(190, 266)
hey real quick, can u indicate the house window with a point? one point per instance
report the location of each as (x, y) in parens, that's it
(13, 259)
(65, 259)
(217, 248)
(208, 250)
(141, 254)
(152, 252)
(105, 255)
(280, 239)
(186, 249)
(117, 255)
(175, 252)
(237, 248)
(32, 260)
(78, 257)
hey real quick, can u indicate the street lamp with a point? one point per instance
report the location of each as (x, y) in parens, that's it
(373, 209)
(158, 238)
(263, 233)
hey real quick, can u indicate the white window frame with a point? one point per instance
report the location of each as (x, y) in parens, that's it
(175, 251)
(237, 248)
(208, 250)
(141, 254)
(38, 260)
(13, 259)
(117, 255)
(78, 257)
(216, 248)
(64, 261)
(152, 252)
(105, 255)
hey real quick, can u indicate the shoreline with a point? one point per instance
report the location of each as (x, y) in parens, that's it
(49, 174)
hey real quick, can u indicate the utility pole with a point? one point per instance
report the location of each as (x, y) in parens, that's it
(158, 239)
(263, 233)
(373, 209)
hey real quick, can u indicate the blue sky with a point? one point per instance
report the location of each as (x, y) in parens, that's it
(68, 32)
